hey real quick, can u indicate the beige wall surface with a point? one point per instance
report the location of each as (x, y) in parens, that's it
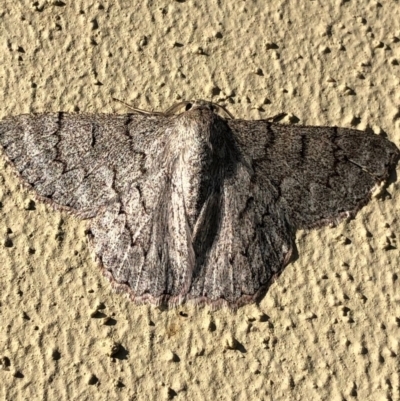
(328, 329)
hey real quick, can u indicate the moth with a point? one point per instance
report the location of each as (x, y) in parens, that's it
(192, 204)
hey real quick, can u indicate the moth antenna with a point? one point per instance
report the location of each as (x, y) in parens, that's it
(140, 111)
(175, 107)
(276, 117)
(223, 108)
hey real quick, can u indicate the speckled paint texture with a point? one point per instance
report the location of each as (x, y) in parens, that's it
(328, 329)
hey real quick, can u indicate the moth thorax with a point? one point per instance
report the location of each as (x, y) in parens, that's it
(195, 162)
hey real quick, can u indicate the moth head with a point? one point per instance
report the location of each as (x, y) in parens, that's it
(200, 129)
(192, 105)
(201, 104)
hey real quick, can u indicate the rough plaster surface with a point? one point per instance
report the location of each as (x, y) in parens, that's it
(328, 329)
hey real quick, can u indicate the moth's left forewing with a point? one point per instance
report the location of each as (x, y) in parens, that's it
(78, 162)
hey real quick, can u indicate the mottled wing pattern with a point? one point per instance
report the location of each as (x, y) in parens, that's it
(80, 162)
(193, 206)
(321, 174)
(144, 241)
(114, 170)
(288, 177)
(252, 244)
